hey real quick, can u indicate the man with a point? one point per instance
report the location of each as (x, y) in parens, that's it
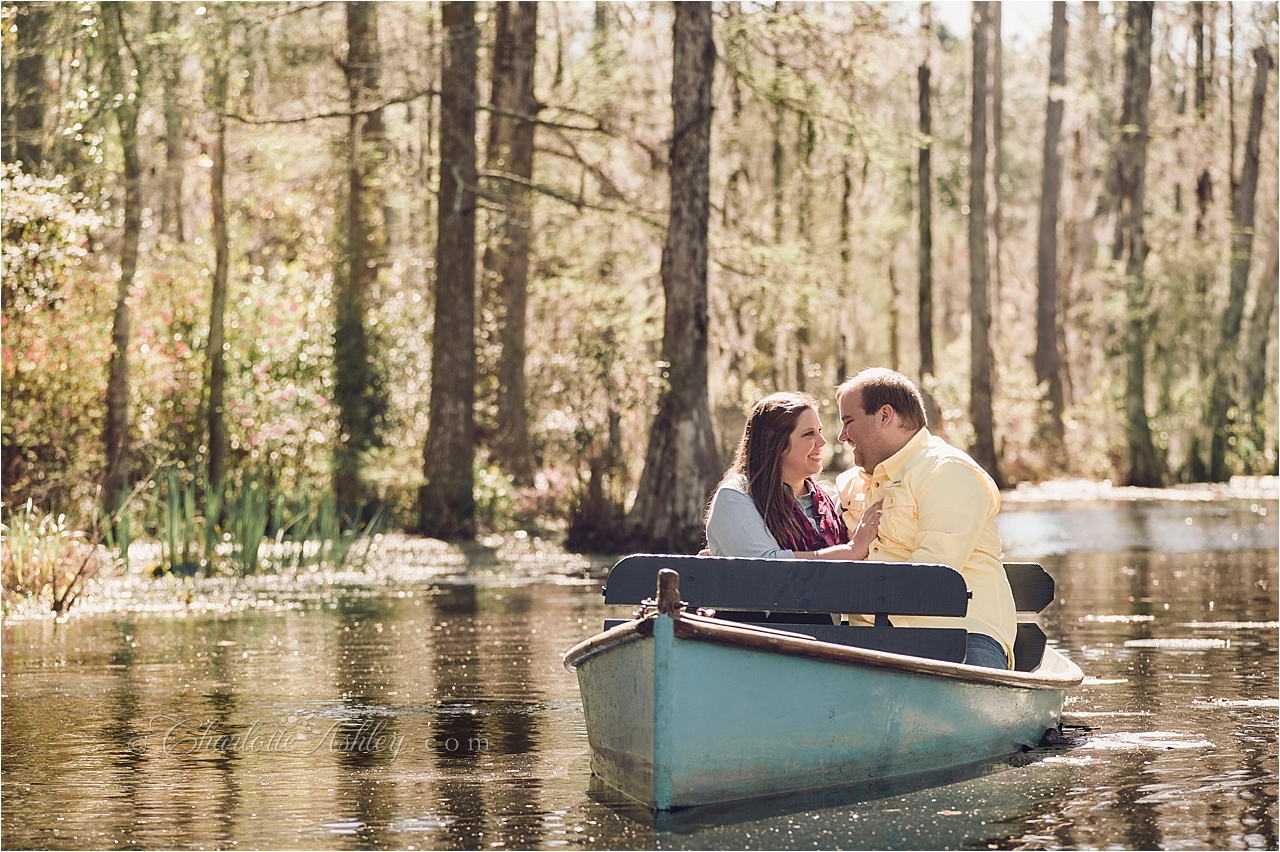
(939, 505)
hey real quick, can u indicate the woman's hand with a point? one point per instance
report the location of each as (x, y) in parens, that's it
(867, 529)
(859, 547)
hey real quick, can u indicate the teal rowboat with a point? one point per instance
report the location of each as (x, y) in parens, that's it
(686, 710)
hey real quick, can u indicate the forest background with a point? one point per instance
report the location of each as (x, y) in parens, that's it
(301, 271)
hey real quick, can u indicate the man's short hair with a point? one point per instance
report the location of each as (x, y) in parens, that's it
(880, 387)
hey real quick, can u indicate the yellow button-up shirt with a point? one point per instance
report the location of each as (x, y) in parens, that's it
(939, 506)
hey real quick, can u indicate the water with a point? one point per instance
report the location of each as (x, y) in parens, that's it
(426, 708)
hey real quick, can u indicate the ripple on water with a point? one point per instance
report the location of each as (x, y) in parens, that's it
(1144, 740)
(430, 823)
(346, 826)
(1119, 619)
(1178, 644)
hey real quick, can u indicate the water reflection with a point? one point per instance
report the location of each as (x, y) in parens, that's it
(1167, 526)
(437, 715)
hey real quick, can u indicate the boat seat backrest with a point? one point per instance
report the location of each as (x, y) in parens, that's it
(800, 596)
(1033, 590)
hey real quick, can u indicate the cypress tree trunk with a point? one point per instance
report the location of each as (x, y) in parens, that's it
(26, 93)
(1046, 359)
(783, 362)
(984, 448)
(506, 260)
(845, 311)
(1231, 100)
(925, 249)
(1219, 415)
(358, 388)
(1203, 70)
(216, 355)
(681, 463)
(446, 502)
(116, 431)
(1145, 466)
(164, 19)
(1262, 329)
(995, 46)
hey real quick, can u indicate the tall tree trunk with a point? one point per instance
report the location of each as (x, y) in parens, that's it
(1262, 329)
(446, 501)
(1218, 415)
(783, 362)
(1145, 467)
(996, 46)
(893, 316)
(1231, 99)
(984, 445)
(1085, 195)
(1196, 467)
(845, 307)
(164, 19)
(506, 260)
(116, 431)
(924, 313)
(681, 463)
(777, 152)
(28, 91)
(1203, 71)
(359, 390)
(216, 354)
(806, 142)
(1201, 74)
(1047, 339)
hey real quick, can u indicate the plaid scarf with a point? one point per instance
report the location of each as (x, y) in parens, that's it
(831, 529)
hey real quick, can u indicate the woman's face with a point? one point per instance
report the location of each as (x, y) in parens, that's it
(803, 457)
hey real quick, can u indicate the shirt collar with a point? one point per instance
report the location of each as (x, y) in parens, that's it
(893, 467)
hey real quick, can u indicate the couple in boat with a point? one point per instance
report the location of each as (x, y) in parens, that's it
(910, 497)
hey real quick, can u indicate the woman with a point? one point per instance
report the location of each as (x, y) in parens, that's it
(769, 504)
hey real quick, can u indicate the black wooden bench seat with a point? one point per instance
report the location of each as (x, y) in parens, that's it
(800, 595)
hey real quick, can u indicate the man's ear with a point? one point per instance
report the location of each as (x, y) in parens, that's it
(886, 415)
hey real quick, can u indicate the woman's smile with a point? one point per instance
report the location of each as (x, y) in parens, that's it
(803, 457)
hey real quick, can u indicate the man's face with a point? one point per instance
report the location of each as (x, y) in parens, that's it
(859, 430)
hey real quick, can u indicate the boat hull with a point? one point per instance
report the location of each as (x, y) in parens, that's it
(679, 721)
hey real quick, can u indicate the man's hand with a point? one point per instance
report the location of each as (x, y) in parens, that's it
(867, 529)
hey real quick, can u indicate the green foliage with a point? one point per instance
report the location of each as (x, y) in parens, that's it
(43, 555)
(54, 345)
(255, 527)
(494, 503)
(46, 227)
(248, 514)
(180, 526)
(593, 374)
(54, 376)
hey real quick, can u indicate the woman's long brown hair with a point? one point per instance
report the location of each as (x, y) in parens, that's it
(765, 440)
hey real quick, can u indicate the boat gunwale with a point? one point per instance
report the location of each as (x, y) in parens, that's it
(639, 628)
(701, 628)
